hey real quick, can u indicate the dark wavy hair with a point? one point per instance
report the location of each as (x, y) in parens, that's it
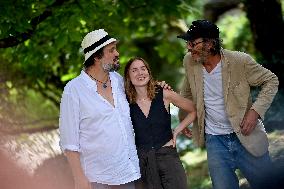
(216, 45)
(129, 87)
(91, 60)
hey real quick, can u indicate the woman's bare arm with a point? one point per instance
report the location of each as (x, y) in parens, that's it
(183, 103)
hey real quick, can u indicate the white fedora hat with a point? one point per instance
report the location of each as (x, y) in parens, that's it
(94, 41)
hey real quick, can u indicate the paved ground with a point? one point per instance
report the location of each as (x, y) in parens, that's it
(41, 165)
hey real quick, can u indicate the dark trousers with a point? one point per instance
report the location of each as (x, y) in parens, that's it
(161, 169)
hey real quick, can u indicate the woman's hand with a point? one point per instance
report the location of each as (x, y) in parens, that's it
(175, 134)
(177, 131)
(164, 85)
(187, 132)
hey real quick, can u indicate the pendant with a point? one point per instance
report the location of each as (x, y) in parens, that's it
(104, 85)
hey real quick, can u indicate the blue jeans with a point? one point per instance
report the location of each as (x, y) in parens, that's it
(225, 154)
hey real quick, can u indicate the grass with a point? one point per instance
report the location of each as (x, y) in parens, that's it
(195, 163)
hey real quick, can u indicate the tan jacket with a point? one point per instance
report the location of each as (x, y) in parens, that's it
(239, 73)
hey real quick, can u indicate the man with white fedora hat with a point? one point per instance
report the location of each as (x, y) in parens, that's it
(96, 132)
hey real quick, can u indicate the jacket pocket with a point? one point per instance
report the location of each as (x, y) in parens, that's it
(241, 92)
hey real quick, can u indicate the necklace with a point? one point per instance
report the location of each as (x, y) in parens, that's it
(142, 99)
(104, 83)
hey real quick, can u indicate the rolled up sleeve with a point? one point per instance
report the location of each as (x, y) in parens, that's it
(69, 122)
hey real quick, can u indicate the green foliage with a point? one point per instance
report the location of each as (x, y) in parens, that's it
(48, 35)
(235, 32)
(195, 163)
(52, 55)
(28, 109)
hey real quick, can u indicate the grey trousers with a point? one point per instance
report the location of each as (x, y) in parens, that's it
(129, 185)
(161, 169)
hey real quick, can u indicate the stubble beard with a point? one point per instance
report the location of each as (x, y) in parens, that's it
(111, 67)
(203, 55)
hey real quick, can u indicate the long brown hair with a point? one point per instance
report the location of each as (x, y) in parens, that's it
(129, 87)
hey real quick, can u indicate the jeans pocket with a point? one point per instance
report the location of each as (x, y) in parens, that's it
(208, 138)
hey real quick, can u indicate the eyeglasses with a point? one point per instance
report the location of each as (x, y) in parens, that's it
(193, 44)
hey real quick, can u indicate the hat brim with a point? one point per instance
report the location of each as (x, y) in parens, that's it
(184, 36)
(88, 54)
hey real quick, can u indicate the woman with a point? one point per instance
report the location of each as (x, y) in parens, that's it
(159, 162)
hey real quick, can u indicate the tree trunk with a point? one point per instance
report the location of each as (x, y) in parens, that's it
(214, 8)
(267, 27)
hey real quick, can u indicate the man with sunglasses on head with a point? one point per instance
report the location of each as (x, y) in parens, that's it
(228, 123)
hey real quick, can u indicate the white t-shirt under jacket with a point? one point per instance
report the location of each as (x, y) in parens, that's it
(216, 118)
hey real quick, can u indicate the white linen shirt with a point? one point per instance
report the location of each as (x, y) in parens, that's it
(102, 134)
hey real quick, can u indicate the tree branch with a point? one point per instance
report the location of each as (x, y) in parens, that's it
(21, 37)
(214, 8)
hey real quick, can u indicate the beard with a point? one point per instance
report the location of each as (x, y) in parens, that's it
(203, 56)
(111, 67)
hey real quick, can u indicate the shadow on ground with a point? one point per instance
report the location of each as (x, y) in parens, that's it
(53, 174)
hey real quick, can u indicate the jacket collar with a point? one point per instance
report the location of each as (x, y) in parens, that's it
(226, 75)
(198, 77)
